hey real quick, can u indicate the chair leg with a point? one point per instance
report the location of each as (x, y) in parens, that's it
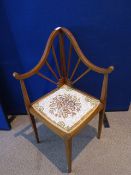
(68, 146)
(33, 123)
(105, 121)
(100, 123)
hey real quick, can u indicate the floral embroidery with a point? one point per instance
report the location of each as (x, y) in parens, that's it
(91, 101)
(62, 124)
(40, 108)
(67, 88)
(64, 105)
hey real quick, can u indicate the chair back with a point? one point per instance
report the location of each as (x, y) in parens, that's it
(62, 64)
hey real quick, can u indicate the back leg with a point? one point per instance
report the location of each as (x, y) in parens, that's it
(33, 123)
(100, 123)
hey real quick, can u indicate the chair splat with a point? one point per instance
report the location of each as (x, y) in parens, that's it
(75, 68)
(69, 59)
(52, 71)
(46, 78)
(56, 60)
(62, 55)
(84, 73)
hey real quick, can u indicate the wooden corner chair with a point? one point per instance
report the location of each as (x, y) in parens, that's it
(65, 110)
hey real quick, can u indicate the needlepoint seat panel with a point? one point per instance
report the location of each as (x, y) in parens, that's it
(65, 107)
(65, 110)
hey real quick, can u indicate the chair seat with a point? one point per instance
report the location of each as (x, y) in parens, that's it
(66, 107)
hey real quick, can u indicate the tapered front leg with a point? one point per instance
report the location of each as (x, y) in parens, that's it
(100, 123)
(68, 146)
(33, 123)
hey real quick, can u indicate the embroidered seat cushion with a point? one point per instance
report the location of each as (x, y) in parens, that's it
(66, 106)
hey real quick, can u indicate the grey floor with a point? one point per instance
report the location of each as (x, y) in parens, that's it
(111, 155)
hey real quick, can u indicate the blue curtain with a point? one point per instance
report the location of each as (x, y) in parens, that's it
(102, 29)
(4, 125)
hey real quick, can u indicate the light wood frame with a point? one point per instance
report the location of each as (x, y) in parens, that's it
(63, 78)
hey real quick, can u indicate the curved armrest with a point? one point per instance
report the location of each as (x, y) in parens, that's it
(22, 76)
(102, 70)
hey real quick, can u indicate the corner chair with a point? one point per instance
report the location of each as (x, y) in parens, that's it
(65, 110)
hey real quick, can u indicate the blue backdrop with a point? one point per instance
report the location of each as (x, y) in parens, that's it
(4, 124)
(102, 29)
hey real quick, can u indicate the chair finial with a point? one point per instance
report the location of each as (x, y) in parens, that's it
(57, 28)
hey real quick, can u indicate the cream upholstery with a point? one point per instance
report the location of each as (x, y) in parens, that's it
(66, 106)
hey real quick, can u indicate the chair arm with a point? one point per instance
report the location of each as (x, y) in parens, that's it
(101, 70)
(23, 76)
